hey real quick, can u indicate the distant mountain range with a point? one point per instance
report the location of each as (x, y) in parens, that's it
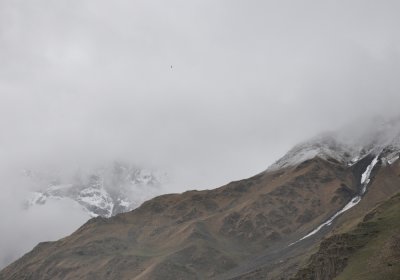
(328, 209)
(104, 191)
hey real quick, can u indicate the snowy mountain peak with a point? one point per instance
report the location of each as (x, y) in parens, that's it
(104, 191)
(348, 145)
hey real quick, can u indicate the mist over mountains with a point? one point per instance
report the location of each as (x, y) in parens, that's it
(40, 198)
(375, 136)
(308, 216)
(44, 196)
(208, 92)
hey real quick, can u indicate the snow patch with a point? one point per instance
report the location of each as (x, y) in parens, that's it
(365, 176)
(124, 203)
(392, 160)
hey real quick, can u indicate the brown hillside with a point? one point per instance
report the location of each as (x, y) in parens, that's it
(238, 231)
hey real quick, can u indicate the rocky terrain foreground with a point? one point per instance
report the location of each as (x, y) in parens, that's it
(326, 210)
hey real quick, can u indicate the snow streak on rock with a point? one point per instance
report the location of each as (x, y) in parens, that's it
(365, 179)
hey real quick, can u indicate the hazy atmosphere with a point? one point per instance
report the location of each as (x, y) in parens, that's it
(209, 91)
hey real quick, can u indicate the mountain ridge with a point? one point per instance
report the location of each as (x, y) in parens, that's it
(383, 139)
(256, 228)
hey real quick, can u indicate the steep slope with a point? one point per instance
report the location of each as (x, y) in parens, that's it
(200, 234)
(281, 261)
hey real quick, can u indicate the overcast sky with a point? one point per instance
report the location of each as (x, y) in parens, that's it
(212, 91)
(82, 80)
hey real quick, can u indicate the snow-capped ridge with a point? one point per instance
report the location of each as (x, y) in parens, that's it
(325, 147)
(347, 148)
(105, 191)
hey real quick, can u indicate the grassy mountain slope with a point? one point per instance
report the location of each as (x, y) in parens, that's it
(369, 251)
(380, 257)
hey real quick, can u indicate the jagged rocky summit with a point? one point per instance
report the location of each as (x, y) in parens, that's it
(105, 191)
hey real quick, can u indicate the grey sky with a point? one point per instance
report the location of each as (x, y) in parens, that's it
(86, 81)
(82, 80)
